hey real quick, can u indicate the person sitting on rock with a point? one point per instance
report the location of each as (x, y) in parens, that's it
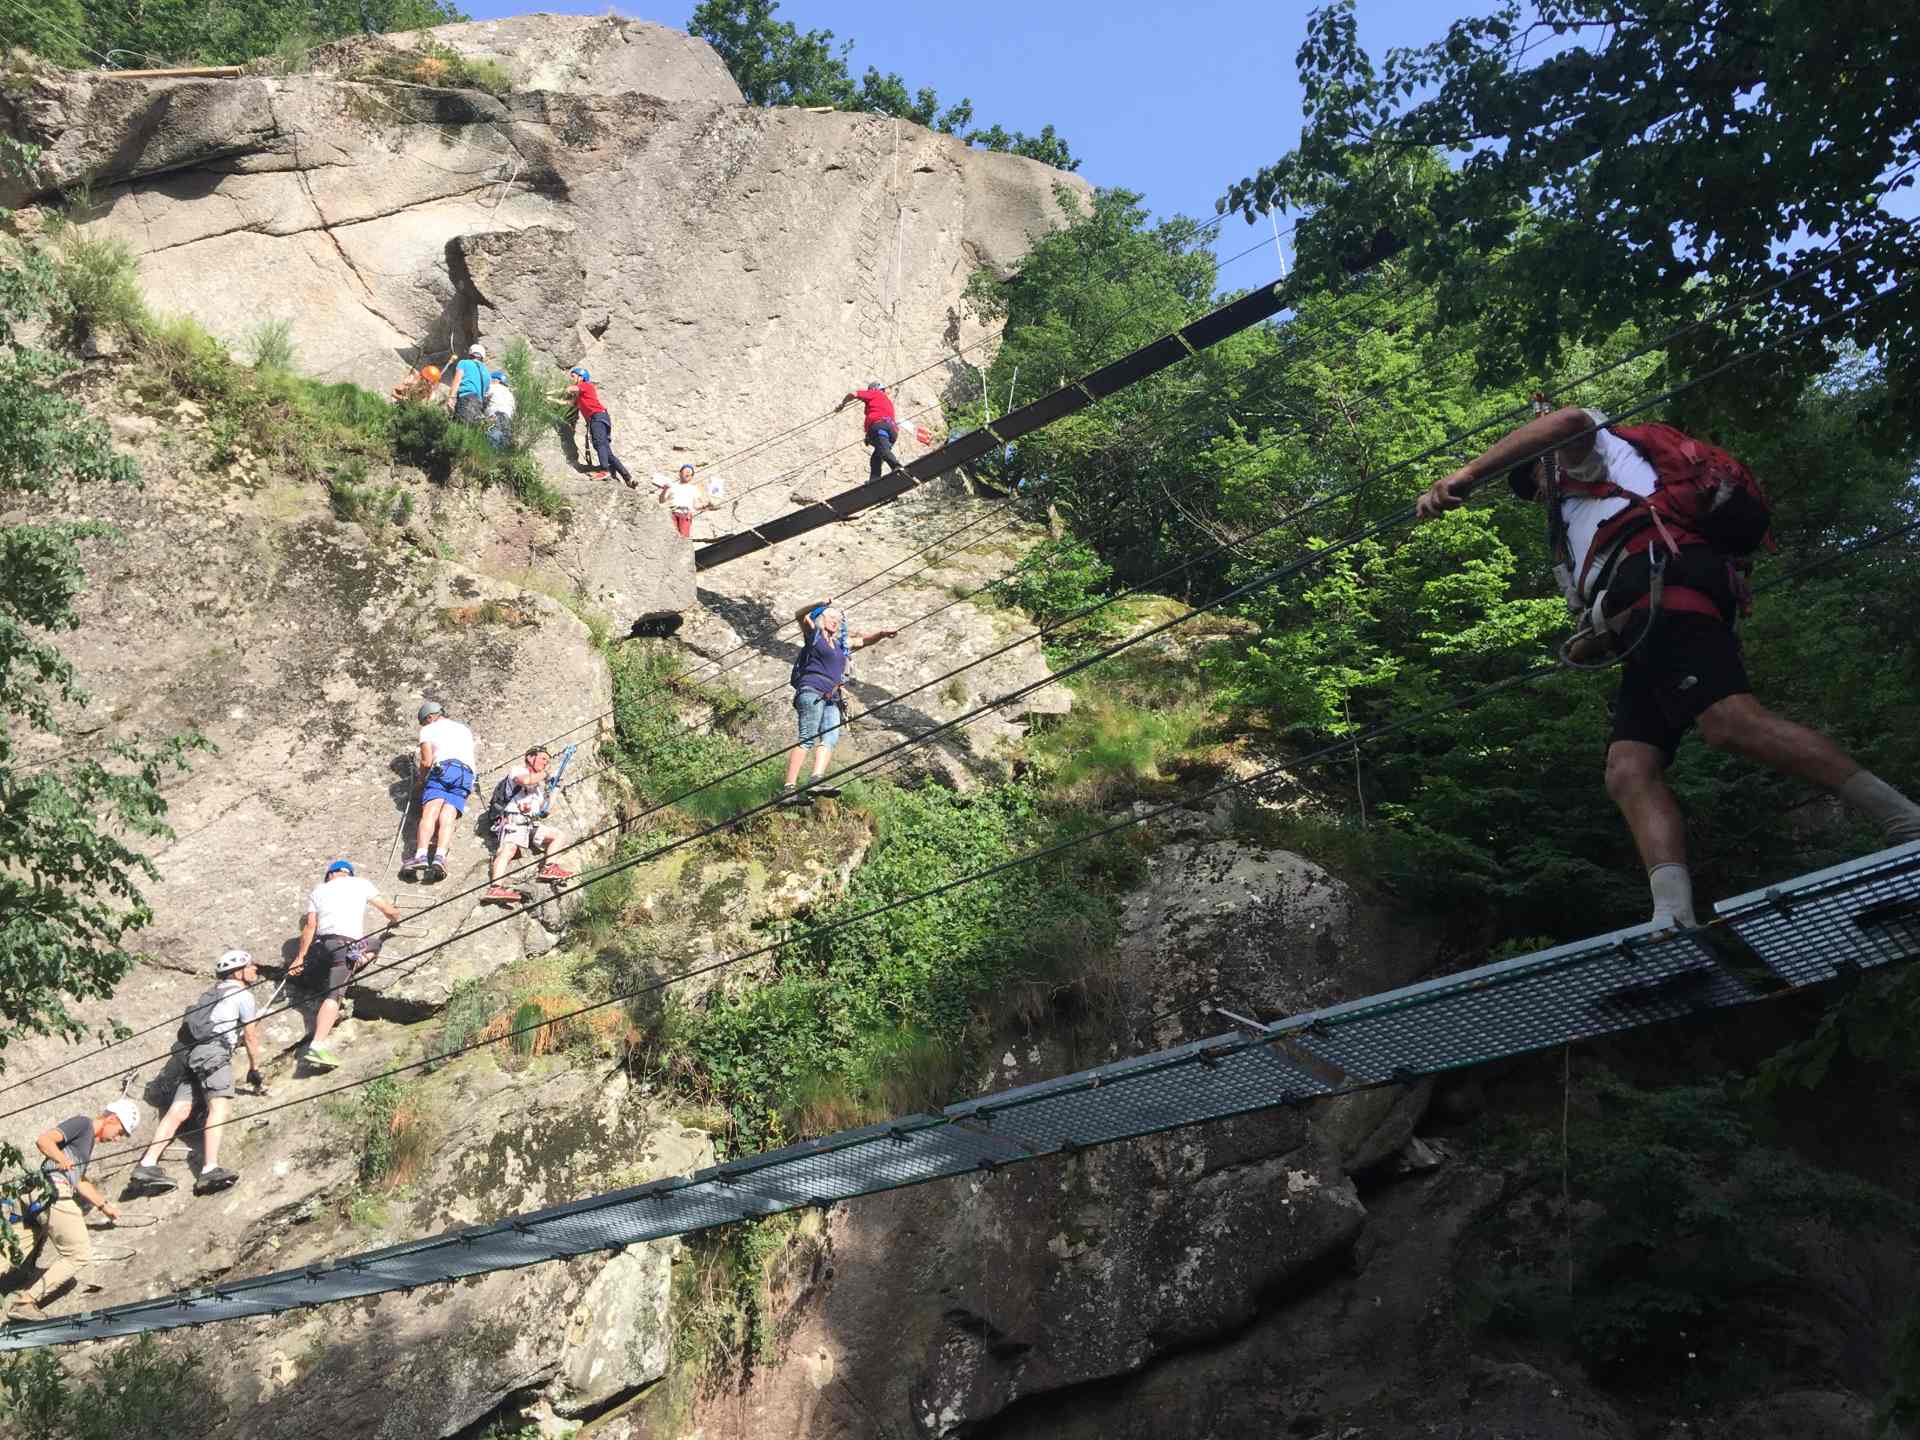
(684, 499)
(500, 408)
(882, 429)
(467, 397)
(587, 405)
(67, 1151)
(418, 387)
(336, 924)
(819, 684)
(200, 1070)
(445, 770)
(520, 801)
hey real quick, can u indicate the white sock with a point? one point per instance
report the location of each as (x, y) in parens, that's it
(1873, 799)
(1672, 896)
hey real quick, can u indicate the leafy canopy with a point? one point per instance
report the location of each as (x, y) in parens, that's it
(776, 63)
(1650, 147)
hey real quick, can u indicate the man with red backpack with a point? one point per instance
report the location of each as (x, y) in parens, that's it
(1647, 525)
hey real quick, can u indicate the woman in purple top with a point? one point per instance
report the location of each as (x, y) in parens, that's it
(819, 694)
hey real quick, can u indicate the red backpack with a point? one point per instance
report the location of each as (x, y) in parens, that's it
(1702, 496)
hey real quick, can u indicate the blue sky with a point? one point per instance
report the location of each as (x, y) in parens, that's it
(1175, 102)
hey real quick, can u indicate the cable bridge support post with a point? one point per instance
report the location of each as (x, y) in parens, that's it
(1210, 329)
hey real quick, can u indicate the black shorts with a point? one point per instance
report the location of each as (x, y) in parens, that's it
(330, 963)
(1689, 662)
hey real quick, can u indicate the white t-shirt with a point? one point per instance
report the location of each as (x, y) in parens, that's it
(683, 495)
(1612, 459)
(234, 1008)
(529, 792)
(500, 400)
(341, 905)
(450, 740)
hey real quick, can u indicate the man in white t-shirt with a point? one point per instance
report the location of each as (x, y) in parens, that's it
(336, 929)
(443, 773)
(518, 829)
(1688, 670)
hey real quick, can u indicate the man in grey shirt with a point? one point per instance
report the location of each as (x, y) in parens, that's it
(68, 1151)
(201, 1069)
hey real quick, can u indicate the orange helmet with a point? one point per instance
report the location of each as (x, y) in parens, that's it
(432, 372)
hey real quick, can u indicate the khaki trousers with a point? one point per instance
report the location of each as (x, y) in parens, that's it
(72, 1244)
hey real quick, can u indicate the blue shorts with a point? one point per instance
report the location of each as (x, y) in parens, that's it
(820, 718)
(450, 781)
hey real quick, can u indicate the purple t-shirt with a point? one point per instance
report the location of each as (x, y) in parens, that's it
(822, 665)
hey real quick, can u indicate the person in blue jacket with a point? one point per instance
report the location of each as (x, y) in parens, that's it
(467, 386)
(819, 693)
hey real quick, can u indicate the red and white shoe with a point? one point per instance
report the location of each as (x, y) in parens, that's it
(554, 873)
(501, 895)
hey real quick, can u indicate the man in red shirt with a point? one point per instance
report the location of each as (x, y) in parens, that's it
(588, 406)
(882, 429)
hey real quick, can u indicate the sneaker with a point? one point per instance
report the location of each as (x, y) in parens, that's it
(436, 870)
(414, 865)
(794, 797)
(824, 791)
(553, 873)
(152, 1177)
(322, 1058)
(501, 895)
(599, 474)
(213, 1180)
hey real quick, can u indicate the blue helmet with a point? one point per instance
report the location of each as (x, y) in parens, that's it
(579, 372)
(337, 866)
(500, 375)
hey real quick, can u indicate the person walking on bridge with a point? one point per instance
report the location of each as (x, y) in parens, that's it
(66, 1151)
(336, 923)
(1681, 664)
(882, 429)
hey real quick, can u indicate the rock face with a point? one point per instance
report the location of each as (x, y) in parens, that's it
(727, 272)
(1051, 1277)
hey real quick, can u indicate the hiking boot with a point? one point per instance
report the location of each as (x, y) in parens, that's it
(553, 873)
(793, 797)
(501, 895)
(322, 1058)
(152, 1177)
(823, 790)
(214, 1180)
(413, 866)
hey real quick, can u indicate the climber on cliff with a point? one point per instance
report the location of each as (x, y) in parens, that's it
(588, 406)
(684, 499)
(418, 387)
(1682, 666)
(519, 804)
(467, 389)
(500, 408)
(819, 693)
(67, 1150)
(201, 1072)
(882, 429)
(336, 924)
(444, 768)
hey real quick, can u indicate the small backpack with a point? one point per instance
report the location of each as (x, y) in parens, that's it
(1701, 495)
(197, 1028)
(501, 798)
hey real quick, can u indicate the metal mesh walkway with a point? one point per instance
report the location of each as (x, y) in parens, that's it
(1817, 927)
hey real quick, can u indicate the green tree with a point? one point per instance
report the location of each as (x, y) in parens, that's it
(776, 63)
(1654, 146)
(69, 881)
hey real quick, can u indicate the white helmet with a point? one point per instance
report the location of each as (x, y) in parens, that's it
(875, 385)
(477, 350)
(231, 961)
(127, 1113)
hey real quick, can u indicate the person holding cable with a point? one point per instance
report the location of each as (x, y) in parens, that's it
(336, 924)
(66, 1151)
(201, 1072)
(819, 694)
(881, 427)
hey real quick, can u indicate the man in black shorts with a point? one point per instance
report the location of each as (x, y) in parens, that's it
(1689, 670)
(335, 931)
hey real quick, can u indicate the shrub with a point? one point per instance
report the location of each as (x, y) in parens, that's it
(441, 67)
(395, 1140)
(1056, 579)
(140, 1390)
(99, 285)
(272, 344)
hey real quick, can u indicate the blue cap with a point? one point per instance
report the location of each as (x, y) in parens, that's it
(499, 374)
(339, 865)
